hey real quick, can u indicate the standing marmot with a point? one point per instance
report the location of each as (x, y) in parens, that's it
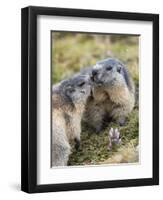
(113, 93)
(68, 102)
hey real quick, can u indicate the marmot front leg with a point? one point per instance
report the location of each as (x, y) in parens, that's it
(77, 138)
(77, 131)
(119, 115)
(73, 128)
(121, 120)
(123, 106)
(77, 143)
(94, 116)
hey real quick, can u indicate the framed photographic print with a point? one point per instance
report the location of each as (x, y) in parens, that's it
(90, 99)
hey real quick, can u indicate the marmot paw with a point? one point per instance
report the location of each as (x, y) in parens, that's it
(77, 143)
(121, 121)
(99, 128)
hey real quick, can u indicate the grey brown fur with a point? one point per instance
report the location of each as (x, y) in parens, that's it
(68, 103)
(113, 93)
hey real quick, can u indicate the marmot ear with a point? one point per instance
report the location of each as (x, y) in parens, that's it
(119, 69)
(126, 76)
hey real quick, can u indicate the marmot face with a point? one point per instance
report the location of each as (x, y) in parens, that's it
(77, 89)
(109, 73)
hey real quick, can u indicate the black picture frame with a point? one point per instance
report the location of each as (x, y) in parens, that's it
(29, 98)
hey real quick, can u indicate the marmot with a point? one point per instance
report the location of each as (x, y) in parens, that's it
(113, 93)
(68, 103)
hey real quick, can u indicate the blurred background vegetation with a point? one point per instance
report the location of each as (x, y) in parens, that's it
(72, 51)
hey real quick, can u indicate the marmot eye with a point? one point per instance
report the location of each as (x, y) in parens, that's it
(81, 84)
(108, 68)
(119, 69)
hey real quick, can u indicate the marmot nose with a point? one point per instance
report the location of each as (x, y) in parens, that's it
(94, 72)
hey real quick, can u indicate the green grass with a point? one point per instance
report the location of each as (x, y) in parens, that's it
(70, 53)
(94, 147)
